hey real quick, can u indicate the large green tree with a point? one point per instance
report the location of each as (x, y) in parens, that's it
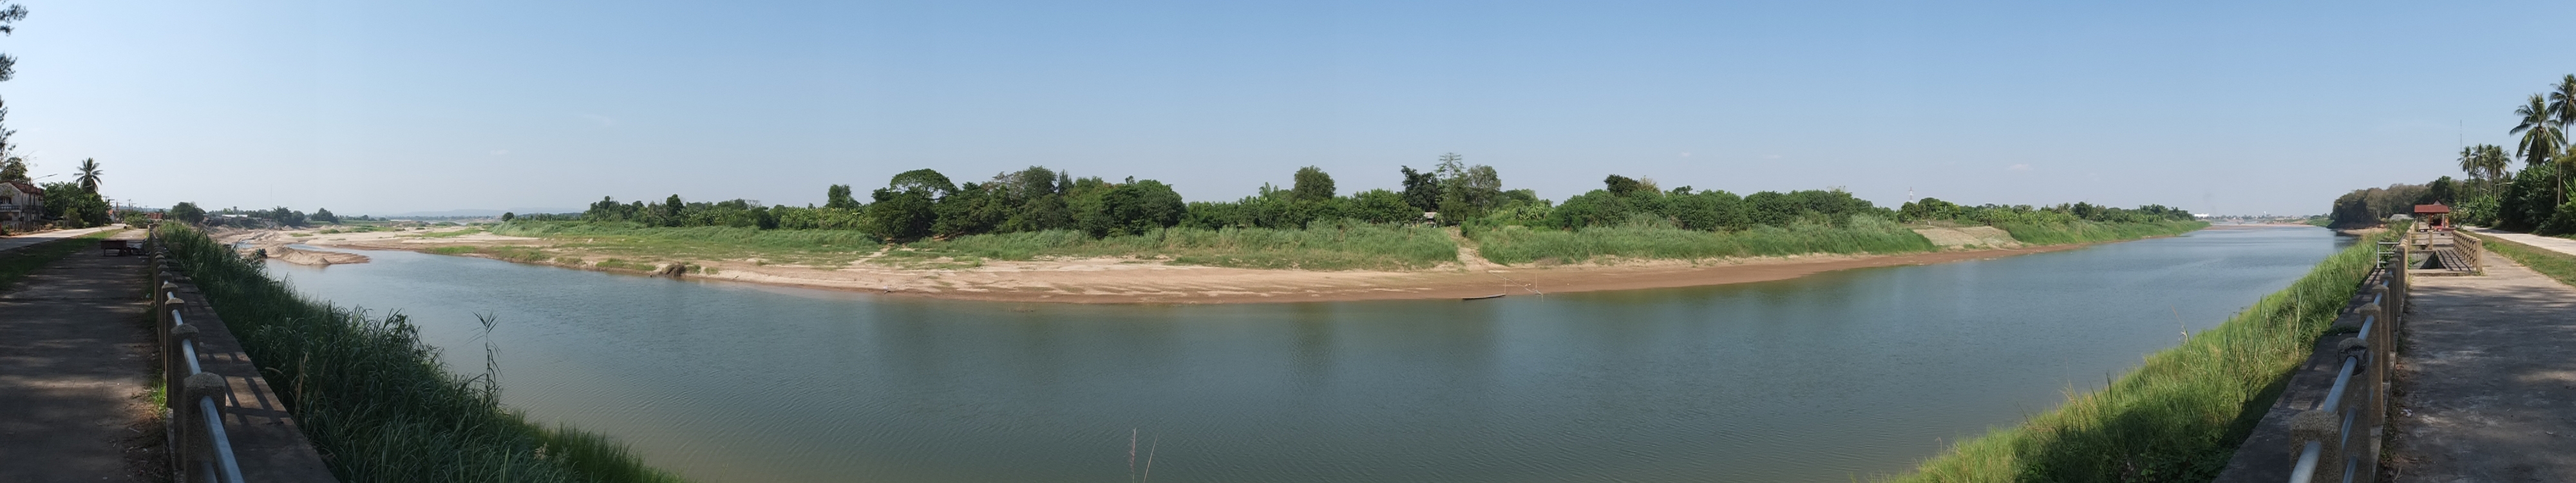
(838, 197)
(188, 212)
(1132, 208)
(1466, 191)
(907, 208)
(924, 181)
(1422, 190)
(1312, 185)
(73, 206)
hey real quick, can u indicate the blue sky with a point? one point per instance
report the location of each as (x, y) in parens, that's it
(387, 107)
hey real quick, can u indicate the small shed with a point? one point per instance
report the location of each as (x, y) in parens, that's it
(2435, 216)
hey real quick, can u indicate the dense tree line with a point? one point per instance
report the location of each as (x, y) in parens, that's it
(2372, 206)
(192, 214)
(1991, 214)
(925, 203)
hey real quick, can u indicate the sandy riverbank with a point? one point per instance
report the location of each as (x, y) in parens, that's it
(1128, 280)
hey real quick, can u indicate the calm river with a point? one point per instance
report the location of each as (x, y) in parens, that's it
(1826, 378)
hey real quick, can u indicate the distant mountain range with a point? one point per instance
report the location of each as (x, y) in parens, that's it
(480, 212)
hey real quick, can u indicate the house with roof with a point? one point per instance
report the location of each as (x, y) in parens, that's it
(22, 206)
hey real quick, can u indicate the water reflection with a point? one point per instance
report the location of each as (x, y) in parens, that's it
(1813, 379)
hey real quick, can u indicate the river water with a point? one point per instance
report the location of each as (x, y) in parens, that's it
(1830, 377)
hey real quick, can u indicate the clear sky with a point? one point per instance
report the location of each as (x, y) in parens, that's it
(388, 107)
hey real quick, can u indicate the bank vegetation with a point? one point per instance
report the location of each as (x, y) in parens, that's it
(2182, 413)
(923, 217)
(375, 400)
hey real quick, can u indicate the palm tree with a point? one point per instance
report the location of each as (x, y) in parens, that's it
(2493, 158)
(2541, 137)
(2469, 163)
(2492, 162)
(2562, 102)
(89, 175)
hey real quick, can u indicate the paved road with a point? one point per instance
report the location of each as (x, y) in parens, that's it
(74, 356)
(2487, 383)
(2560, 245)
(16, 241)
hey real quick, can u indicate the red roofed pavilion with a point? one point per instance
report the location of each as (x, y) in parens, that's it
(2435, 216)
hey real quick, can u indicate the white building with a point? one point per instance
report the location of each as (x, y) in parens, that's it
(22, 206)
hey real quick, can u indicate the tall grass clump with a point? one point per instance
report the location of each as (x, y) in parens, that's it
(2084, 231)
(374, 400)
(1651, 240)
(2181, 414)
(1320, 246)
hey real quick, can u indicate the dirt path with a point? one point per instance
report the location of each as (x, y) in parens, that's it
(2486, 387)
(74, 364)
(1475, 262)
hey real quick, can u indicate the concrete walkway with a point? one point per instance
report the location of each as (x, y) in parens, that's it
(2486, 387)
(2561, 245)
(75, 359)
(15, 241)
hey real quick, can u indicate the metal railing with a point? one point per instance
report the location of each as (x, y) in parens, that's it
(201, 448)
(2338, 440)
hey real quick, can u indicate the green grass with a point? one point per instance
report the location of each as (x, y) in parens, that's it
(376, 401)
(2556, 265)
(1322, 246)
(830, 248)
(447, 234)
(18, 263)
(2179, 416)
(1516, 245)
(620, 264)
(2092, 232)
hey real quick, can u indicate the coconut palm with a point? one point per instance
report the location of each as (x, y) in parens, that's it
(2562, 102)
(89, 175)
(2493, 159)
(2488, 162)
(2541, 136)
(2469, 163)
